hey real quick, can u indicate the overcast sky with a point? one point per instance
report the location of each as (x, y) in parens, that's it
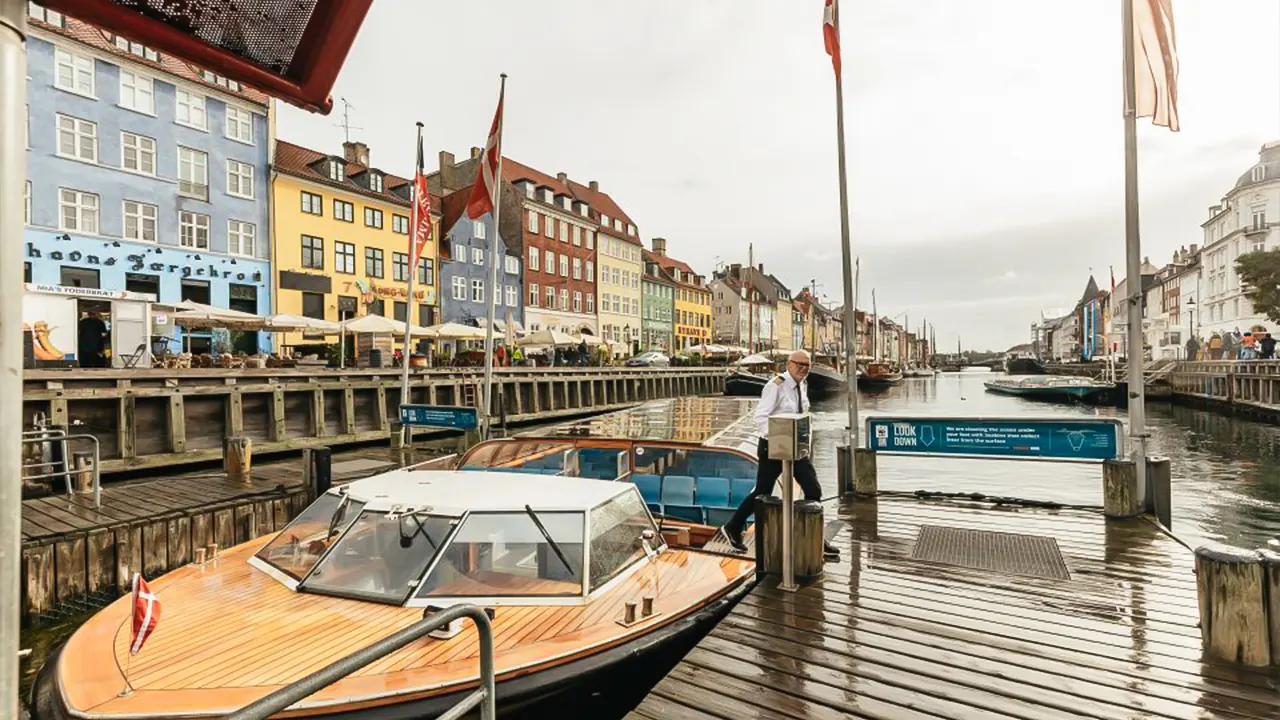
(985, 139)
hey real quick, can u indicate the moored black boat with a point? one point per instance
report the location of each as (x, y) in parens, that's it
(1023, 366)
(825, 382)
(740, 383)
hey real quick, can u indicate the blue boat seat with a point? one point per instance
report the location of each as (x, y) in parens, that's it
(650, 487)
(713, 492)
(678, 489)
(718, 516)
(692, 513)
(740, 488)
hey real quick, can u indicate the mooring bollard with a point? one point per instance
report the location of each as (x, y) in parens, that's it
(1233, 605)
(1120, 496)
(397, 435)
(867, 481)
(806, 543)
(82, 461)
(237, 457)
(322, 472)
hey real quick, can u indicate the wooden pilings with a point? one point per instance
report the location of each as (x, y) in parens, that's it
(1120, 494)
(806, 542)
(1232, 589)
(864, 459)
(237, 457)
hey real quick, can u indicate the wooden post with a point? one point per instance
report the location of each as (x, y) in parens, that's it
(177, 425)
(1120, 489)
(322, 473)
(1271, 578)
(806, 543)
(867, 483)
(1233, 617)
(237, 457)
(397, 436)
(82, 461)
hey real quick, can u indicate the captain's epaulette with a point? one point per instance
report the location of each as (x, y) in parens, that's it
(779, 380)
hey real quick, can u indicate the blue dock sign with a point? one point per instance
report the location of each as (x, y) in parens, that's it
(1069, 439)
(442, 416)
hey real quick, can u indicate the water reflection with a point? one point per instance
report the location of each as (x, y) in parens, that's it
(1226, 471)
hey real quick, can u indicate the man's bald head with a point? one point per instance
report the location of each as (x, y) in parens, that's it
(798, 364)
(800, 356)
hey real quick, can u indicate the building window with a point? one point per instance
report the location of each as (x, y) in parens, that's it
(591, 271)
(79, 277)
(400, 267)
(591, 239)
(477, 229)
(79, 211)
(401, 311)
(216, 79)
(313, 305)
(344, 257)
(1259, 173)
(604, 220)
(459, 288)
(513, 265)
(312, 204)
(344, 211)
(193, 173)
(577, 236)
(137, 92)
(375, 182)
(240, 179)
(337, 171)
(77, 139)
(44, 15)
(477, 291)
(190, 110)
(617, 224)
(378, 307)
(477, 256)
(564, 299)
(373, 262)
(137, 49)
(631, 230)
(424, 315)
(193, 230)
(577, 269)
(577, 301)
(241, 238)
(140, 221)
(511, 295)
(426, 271)
(533, 217)
(549, 226)
(74, 72)
(239, 124)
(533, 258)
(591, 304)
(564, 231)
(138, 153)
(1260, 219)
(533, 295)
(373, 218)
(550, 296)
(312, 252)
(399, 224)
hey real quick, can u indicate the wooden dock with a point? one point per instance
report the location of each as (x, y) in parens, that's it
(76, 556)
(1250, 388)
(889, 634)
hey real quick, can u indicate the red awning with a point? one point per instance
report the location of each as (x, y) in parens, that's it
(291, 50)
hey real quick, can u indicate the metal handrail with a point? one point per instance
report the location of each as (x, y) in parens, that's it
(58, 435)
(482, 697)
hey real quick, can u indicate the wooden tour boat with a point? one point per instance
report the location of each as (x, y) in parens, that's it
(555, 557)
(744, 383)
(879, 375)
(1056, 389)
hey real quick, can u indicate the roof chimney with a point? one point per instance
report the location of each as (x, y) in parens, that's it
(356, 152)
(445, 160)
(595, 186)
(563, 178)
(476, 152)
(760, 268)
(659, 246)
(1194, 248)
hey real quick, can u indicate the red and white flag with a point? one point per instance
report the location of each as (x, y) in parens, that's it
(1155, 62)
(484, 193)
(831, 33)
(422, 208)
(146, 613)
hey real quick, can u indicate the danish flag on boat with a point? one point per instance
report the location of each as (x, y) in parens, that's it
(146, 613)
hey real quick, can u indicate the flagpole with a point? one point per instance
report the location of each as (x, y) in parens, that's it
(1133, 257)
(405, 430)
(493, 269)
(846, 252)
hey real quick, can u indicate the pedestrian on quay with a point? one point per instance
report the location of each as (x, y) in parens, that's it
(1228, 346)
(1266, 346)
(1193, 347)
(500, 356)
(1248, 348)
(785, 393)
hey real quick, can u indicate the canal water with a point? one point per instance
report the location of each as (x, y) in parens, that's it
(1226, 471)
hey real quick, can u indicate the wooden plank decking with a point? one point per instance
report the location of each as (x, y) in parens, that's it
(884, 635)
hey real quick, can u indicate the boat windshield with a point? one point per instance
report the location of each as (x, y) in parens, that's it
(617, 530)
(382, 556)
(505, 554)
(521, 456)
(299, 546)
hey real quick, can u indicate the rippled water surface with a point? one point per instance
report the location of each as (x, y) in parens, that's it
(1226, 471)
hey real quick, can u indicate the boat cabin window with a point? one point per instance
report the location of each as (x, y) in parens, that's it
(547, 458)
(616, 543)
(382, 556)
(299, 546)
(692, 462)
(504, 554)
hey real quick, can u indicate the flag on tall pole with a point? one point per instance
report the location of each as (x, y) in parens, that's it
(484, 194)
(420, 221)
(421, 206)
(1155, 67)
(830, 34)
(146, 613)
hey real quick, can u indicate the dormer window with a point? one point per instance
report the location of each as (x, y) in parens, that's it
(617, 224)
(337, 171)
(1260, 173)
(604, 220)
(529, 190)
(547, 196)
(375, 182)
(631, 230)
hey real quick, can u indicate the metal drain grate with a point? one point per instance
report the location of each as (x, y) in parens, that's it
(1005, 553)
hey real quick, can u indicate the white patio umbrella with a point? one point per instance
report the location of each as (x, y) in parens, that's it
(756, 359)
(192, 314)
(706, 350)
(453, 331)
(285, 322)
(548, 337)
(378, 324)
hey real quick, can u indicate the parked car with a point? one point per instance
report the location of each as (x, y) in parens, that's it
(649, 359)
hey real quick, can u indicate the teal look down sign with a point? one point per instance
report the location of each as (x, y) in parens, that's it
(1069, 439)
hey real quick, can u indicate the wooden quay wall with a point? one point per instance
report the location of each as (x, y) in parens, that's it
(1250, 388)
(150, 418)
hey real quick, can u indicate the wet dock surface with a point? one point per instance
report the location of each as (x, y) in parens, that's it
(887, 633)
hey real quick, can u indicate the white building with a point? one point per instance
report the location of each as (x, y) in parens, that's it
(1244, 221)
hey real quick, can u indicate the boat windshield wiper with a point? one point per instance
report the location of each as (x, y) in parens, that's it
(554, 547)
(407, 540)
(339, 514)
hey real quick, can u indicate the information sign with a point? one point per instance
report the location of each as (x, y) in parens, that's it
(1070, 439)
(445, 416)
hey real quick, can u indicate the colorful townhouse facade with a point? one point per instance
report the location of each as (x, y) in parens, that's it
(465, 259)
(691, 306)
(340, 230)
(657, 306)
(145, 175)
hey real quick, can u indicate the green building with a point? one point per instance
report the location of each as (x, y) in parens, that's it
(657, 306)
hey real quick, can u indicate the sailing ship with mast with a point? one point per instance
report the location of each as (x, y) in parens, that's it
(879, 373)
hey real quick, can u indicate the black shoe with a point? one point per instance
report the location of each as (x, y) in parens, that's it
(735, 540)
(829, 551)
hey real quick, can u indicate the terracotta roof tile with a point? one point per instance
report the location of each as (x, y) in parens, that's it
(298, 161)
(96, 38)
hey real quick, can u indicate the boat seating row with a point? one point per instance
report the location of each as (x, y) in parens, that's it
(523, 470)
(707, 499)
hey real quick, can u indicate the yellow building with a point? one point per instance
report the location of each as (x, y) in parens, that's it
(691, 323)
(340, 240)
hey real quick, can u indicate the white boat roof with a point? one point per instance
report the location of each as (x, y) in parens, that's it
(452, 492)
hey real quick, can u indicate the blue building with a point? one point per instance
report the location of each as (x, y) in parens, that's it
(464, 269)
(145, 174)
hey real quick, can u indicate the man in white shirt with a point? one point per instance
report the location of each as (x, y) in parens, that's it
(786, 393)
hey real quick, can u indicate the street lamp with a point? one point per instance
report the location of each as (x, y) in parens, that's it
(1191, 311)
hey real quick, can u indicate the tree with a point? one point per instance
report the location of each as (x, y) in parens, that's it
(1260, 277)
